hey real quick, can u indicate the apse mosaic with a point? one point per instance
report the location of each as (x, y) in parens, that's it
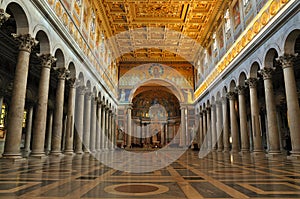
(144, 102)
(139, 75)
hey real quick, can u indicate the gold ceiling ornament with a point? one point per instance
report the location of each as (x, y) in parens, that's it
(257, 24)
(192, 18)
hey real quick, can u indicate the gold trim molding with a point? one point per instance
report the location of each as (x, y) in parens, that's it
(266, 14)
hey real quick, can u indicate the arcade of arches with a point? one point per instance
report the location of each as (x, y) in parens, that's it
(82, 78)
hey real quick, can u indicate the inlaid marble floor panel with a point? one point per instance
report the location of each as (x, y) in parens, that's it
(218, 175)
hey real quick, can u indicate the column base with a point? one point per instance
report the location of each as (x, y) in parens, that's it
(69, 152)
(244, 152)
(39, 155)
(294, 156)
(13, 157)
(275, 154)
(258, 154)
(78, 153)
(56, 153)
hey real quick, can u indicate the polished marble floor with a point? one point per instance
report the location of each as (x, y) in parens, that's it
(218, 175)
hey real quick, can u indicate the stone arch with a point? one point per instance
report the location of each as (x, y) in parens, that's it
(254, 70)
(173, 89)
(269, 58)
(242, 79)
(224, 91)
(18, 13)
(218, 96)
(59, 55)
(88, 86)
(232, 85)
(290, 41)
(44, 43)
(72, 70)
(95, 91)
(81, 79)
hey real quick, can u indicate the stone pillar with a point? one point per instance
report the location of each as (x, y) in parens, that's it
(49, 131)
(243, 119)
(200, 129)
(58, 113)
(28, 128)
(70, 117)
(3, 17)
(15, 114)
(213, 128)
(293, 111)
(129, 126)
(99, 122)
(114, 145)
(225, 125)
(79, 115)
(107, 121)
(254, 106)
(182, 141)
(103, 136)
(219, 126)
(204, 131)
(93, 125)
(271, 112)
(233, 122)
(39, 128)
(87, 122)
(109, 129)
(208, 126)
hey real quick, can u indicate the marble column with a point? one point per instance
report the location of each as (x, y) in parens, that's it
(219, 126)
(273, 137)
(225, 125)
(245, 143)
(49, 131)
(79, 115)
(87, 122)
(200, 129)
(107, 120)
(110, 129)
(70, 117)
(98, 129)
(293, 111)
(129, 109)
(233, 122)
(114, 144)
(204, 131)
(39, 128)
(15, 113)
(3, 16)
(254, 106)
(182, 142)
(213, 128)
(208, 126)
(28, 128)
(93, 125)
(103, 136)
(58, 112)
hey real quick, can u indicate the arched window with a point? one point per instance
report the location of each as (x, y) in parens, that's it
(227, 21)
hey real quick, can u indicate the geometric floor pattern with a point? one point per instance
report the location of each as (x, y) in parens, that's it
(218, 175)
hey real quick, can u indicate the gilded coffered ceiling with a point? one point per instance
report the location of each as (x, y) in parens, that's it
(166, 30)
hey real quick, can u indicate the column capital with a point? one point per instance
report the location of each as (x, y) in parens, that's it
(26, 42)
(89, 95)
(203, 111)
(240, 90)
(73, 82)
(208, 108)
(81, 90)
(224, 99)
(267, 72)
(287, 60)
(3, 17)
(63, 72)
(47, 60)
(252, 82)
(231, 95)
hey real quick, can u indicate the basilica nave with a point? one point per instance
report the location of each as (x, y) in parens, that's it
(149, 99)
